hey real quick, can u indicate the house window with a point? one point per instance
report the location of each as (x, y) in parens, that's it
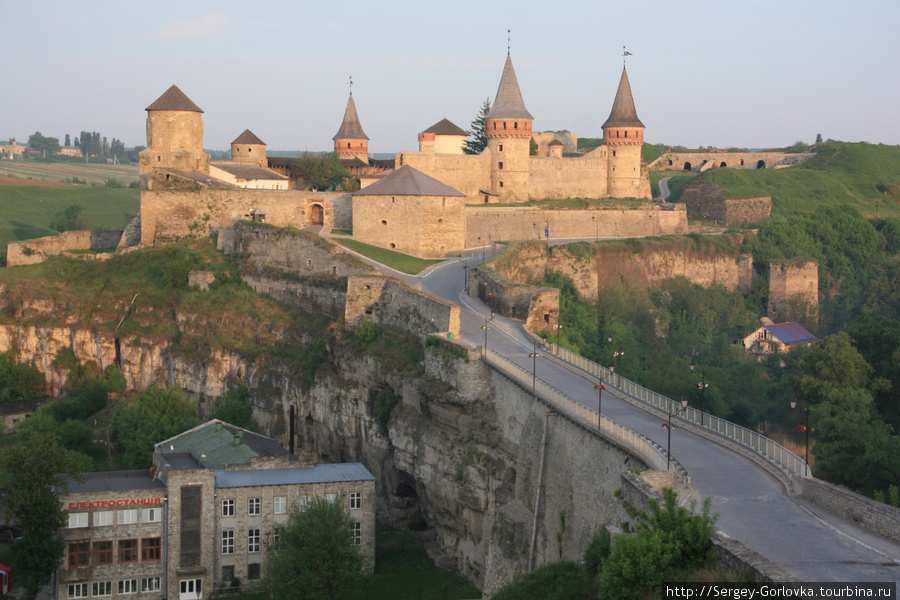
(253, 506)
(151, 515)
(305, 499)
(253, 571)
(228, 542)
(103, 517)
(228, 508)
(128, 517)
(150, 584)
(330, 497)
(101, 588)
(190, 589)
(128, 586)
(78, 520)
(356, 532)
(150, 548)
(280, 505)
(103, 553)
(253, 540)
(79, 555)
(128, 551)
(78, 590)
(355, 500)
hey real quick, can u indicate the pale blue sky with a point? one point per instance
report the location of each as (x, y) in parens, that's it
(755, 74)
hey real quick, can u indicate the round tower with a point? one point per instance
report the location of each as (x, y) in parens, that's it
(623, 134)
(351, 141)
(508, 126)
(174, 135)
(247, 148)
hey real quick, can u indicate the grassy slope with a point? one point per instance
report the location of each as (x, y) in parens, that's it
(841, 173)
(65, 171)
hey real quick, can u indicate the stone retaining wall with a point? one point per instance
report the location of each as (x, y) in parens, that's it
(879, 517)
(37, 250)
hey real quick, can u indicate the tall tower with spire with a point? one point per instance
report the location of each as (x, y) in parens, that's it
(174, 135)
(351, 141)
(623, 134)
(509, 137)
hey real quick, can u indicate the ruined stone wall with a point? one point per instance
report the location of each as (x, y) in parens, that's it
(37, 250)
(468, 174)
(400, 306)
(300, 252)
(567, 178)
(794, 292)
(514, 223)
(710, 200)
(317, 298)
(515, 300)
(736, 160)
(168, 216)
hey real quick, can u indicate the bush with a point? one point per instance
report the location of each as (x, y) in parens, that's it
(19, 381)
(367, 332)
(385, 401)
(234, 407)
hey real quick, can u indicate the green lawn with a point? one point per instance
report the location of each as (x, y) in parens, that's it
(26, 212)
(395, 260)
(96, 174)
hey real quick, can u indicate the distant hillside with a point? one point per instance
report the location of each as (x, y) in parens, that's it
(863, 175)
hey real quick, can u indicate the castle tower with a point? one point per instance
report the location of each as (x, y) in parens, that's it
(509, 138)
(351, 141)
(247, 148)
(623, 134)
(174, 135)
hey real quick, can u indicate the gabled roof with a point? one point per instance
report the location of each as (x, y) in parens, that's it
(445, 127)
(407, 181)
(248, 137)
(174, 99)
(623, 113)
(223, 444)
(350, 127)
(509, 104)
(790, 333)
(248, 171)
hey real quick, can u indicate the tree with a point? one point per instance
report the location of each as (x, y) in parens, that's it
(47, 145)
(234, 407)
(69, 220)
(153, 416)
(29, 470)
(19, 381)
(818, 138)
(319, 171)
(68, 140)
(313, 557)
(477, 141)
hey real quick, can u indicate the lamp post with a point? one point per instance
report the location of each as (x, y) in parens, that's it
(534, 356)
(482, 248)
(669, 426)
(597, 223)
(485, 327)
(616, 354)
(805, 426)
(612, 371)
(557, 326)
(599, 387)
(702, 385)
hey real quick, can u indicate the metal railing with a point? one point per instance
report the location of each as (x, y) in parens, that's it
(770, 450)
(647, 450)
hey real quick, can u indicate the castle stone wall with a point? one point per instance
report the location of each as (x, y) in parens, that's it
(710, 200)
(514, 223)
(467, 173)
(38, 250)
(169, 216)
(794, 292)
(567, 178)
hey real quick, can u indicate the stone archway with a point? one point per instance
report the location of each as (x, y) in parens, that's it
(723, 164)
(316, 214)
(761, 164)
(687, 166)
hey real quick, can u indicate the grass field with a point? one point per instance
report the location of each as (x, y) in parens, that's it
(395, 260)
(93, 174)
(26, 212)
(866, 176)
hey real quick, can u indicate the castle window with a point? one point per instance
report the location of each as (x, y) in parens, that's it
(626, 134)
(614, 152)
(501, 147)
(393, 245)
(383, 222)
(501, 166)
(158, 158)
(501, 184)
(249, 149)
(440, 220)
(670, 162)
(504, 125)
(495, 126)
(516, 125)
(348, 145)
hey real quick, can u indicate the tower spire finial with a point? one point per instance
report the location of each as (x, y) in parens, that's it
(351, 84)
(624, 54)
(508, 43)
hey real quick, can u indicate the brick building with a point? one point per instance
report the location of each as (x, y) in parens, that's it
(200, 518)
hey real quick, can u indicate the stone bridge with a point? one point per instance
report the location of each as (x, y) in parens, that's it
(698, 162)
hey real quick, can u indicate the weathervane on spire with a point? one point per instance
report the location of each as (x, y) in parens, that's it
(508, 40)
(624, 54)
(351, 84)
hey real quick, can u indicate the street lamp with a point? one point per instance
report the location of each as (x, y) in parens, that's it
(482, 248)
(612, 371)
(702, 385)
(616, 354)
(669, 426)
(485, 327)
(805, 427)
(599, 387)
(534, 356)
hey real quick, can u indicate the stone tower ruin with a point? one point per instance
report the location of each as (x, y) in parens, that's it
(794, 292)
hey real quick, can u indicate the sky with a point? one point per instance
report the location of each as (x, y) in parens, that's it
(718, 73)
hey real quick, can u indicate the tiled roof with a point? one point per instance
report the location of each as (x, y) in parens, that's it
(316, 474)
(248, 137)
(509, 104)
(623, 113)
(350, 127)
(790, 333)
(445, 127)
(407, 181)
(216, 439)
(112, 481)
(174, 99)
(248, 171)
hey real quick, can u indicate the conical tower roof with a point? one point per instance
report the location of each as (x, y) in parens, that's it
(509, 103)
(350, 128)
(248, 137)
(623, 113)
(174, 99)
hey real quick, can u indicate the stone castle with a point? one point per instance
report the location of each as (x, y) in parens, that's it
(422, 202)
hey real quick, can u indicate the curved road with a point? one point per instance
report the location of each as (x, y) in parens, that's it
(753, 506)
